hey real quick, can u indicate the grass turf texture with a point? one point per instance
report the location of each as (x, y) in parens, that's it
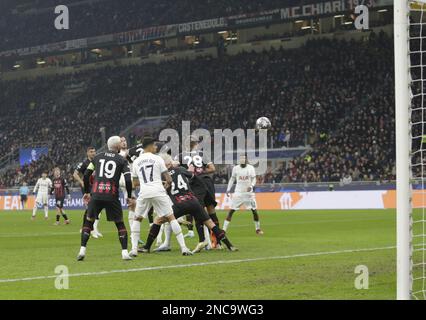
(34, 248)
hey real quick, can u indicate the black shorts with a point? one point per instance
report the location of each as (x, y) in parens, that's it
(24, 197)
(190, 207)
(59, 202)
(210, 197)
(113, 209)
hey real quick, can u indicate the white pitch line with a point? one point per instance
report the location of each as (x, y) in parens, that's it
(200, 264)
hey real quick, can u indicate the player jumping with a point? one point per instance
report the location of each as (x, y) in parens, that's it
(245, 176)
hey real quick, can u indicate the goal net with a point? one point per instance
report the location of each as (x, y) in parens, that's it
(410, 95)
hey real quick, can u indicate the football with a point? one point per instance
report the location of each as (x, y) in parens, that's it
(263, 123)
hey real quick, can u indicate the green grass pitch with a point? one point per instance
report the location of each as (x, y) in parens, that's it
(303, 255)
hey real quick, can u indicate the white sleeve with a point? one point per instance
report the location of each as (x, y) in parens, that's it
(163, 167)
(134, 171)
(253, 177)
(36, 186)
(231, 180)
(50, 184)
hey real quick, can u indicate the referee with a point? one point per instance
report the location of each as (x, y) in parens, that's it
(23, 194)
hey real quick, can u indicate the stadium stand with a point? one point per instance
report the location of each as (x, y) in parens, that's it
(93, 18)
(350, 131)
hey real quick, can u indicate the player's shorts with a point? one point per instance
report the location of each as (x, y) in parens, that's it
(162, 206)
(24, 197)
(113, 209)
(42, 198)
(59, 202)
(190, 207)
(247, 199)
(210, 197)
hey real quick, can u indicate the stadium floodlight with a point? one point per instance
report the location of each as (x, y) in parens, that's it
(410, 123)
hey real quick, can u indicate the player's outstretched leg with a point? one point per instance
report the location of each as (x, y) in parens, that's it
(85, 236)
(34, 211)
(228, 220)
(123, 237)
(257, 222)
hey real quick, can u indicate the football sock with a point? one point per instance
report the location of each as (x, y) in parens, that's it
(122, 234)
(57, 217)
(152, 235)
(226, 224)
(85, 233)
(167, 234)
(135, 229)
(200, 231)
(95, 225)
(207, 235)
(177, 230)
(46, 211)
(64, 216)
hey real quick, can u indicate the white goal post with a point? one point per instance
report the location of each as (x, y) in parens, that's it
(410, 126)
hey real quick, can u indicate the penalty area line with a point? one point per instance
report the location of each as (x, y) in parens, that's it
(201, 264)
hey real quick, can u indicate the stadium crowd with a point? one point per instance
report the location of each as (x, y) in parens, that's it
(335, 96)
(94, 18)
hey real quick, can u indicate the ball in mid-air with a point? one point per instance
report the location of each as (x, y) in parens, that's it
(263, 123)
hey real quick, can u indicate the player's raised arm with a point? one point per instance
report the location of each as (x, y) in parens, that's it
(210, 168)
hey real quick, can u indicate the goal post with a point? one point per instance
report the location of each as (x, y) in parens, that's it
(403, 147)
(410, 138)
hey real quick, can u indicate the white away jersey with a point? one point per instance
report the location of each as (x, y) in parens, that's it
(43, 186)
(148, 169)
(245, 177)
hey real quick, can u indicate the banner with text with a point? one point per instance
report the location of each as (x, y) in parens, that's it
(325, 200)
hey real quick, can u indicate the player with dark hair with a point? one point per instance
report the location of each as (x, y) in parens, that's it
(104, 194)
(59, 187)
(78, 176)
(184, 202)
(195, 161)
(150, 173)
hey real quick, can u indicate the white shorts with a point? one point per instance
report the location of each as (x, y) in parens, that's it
(247, 199)
(42, 198)
(162, 206)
